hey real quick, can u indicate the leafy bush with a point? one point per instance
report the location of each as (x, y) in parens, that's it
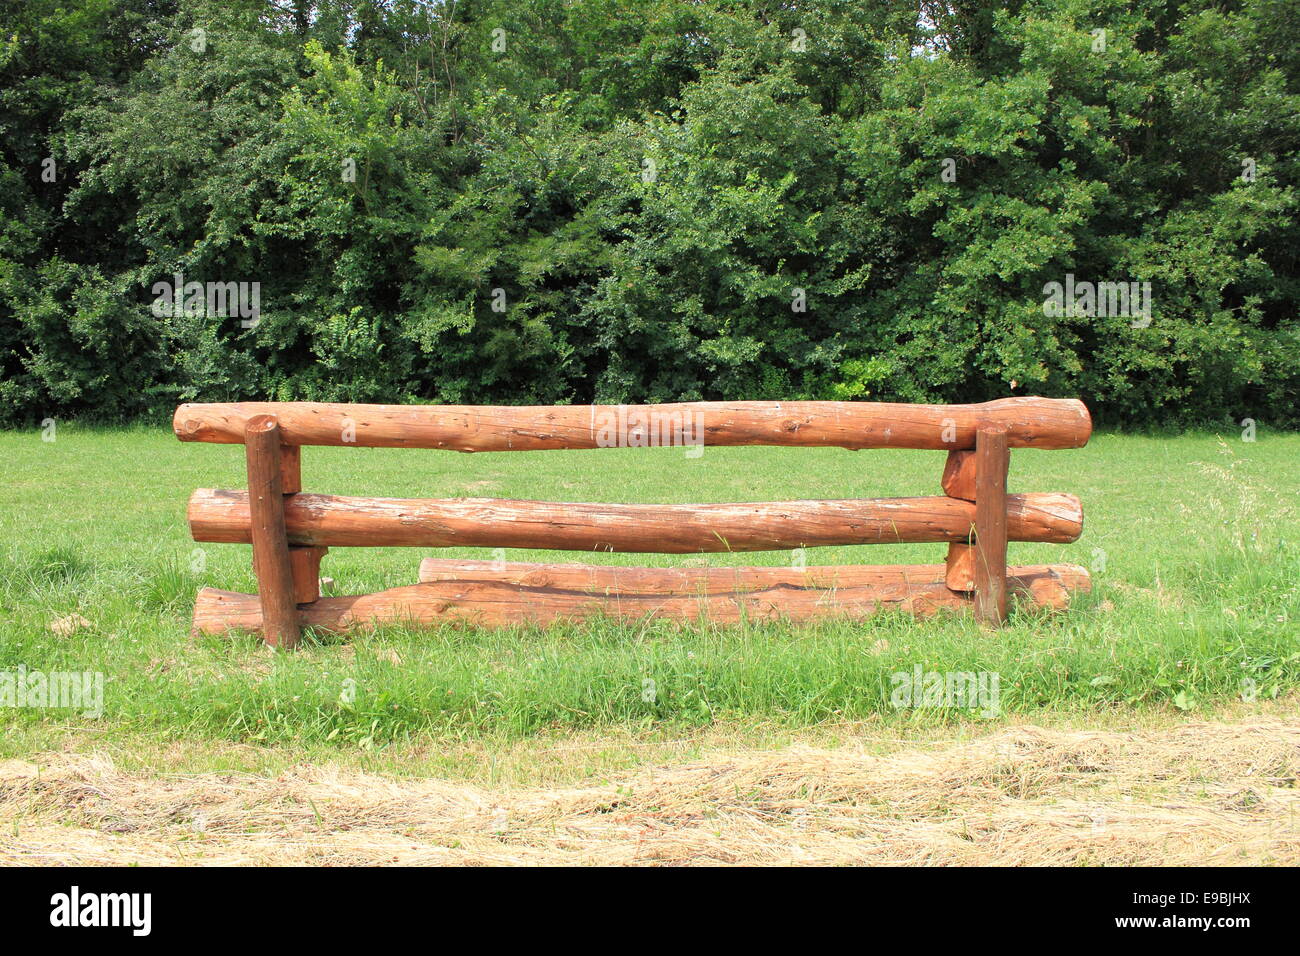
(643, 200)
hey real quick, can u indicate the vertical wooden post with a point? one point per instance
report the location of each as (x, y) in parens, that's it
(305, 562)
(275, 586)
(959, 475)
(959, 567)
(290, 469)
(959, 482)
(992, 459)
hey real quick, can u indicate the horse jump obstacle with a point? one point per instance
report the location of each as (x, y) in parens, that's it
(291, 531)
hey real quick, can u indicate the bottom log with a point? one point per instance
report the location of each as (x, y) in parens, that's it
(496, 594)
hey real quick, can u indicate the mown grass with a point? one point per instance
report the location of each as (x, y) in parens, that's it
(1194, 544)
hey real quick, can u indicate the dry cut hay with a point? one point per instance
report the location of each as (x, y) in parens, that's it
(1202, 793)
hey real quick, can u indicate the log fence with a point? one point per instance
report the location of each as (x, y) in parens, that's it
(291, 530)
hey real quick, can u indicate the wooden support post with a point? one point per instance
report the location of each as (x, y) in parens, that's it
(305, 562)
(290, 469)
(992, 458)
(959, 568)
(959, 475)
(959, 482)
(270, 542)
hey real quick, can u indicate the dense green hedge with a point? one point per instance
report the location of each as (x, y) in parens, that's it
(650, 200)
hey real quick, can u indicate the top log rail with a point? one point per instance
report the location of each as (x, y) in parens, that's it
(1030, 423)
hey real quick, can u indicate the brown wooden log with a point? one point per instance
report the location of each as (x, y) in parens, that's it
(959, 475)
(601, 579)
(305, 562)
(503, 595)
(993, 458)
(1030, 422)
(335, 521)
(959, 482)
(960, 567)
(267, 532)
(290, 469)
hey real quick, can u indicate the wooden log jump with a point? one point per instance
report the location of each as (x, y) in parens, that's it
(291, 530)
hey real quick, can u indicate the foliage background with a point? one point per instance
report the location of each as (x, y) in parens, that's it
(776, 169)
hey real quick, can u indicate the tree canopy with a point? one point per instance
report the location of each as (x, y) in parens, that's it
(555, 201)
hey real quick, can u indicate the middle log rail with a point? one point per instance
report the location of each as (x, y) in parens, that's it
(339, 521)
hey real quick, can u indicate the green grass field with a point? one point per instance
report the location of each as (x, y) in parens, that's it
(1193, 541)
